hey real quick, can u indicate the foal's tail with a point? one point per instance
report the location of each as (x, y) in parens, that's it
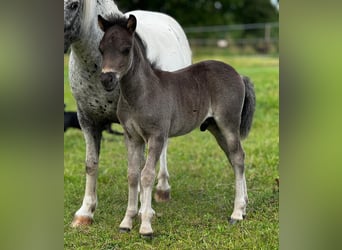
(248, 108)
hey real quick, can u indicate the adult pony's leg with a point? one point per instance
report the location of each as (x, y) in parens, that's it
(135, 152)
(155, 146)
(163, 188)
(229, 142)
(85, 215)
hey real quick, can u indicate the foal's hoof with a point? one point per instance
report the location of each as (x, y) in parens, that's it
(162, 196)
(146, 231)
(124, 230)
(147, 236)
(81, 221)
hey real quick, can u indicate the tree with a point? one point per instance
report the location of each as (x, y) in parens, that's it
(208, 12)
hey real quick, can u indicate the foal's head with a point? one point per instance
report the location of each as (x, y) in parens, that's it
(116, 49)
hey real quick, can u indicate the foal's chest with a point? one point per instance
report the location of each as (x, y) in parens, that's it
(138, 124)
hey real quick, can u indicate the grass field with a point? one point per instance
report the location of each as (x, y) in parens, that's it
(202, 181)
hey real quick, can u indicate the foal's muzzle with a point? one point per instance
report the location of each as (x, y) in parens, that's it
(109, 81)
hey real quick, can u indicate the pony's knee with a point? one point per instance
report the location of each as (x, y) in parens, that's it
(91, 167)
(147, 177)
(133, 177)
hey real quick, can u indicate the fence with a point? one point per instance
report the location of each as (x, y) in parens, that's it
(260, 36)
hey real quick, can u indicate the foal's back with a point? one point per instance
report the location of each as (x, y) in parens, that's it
(207, 76)
(202, 90)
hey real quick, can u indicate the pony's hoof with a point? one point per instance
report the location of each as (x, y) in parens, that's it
(146, 231)
(147, 236)
(162, 196)
(81, 221)
(124, 230)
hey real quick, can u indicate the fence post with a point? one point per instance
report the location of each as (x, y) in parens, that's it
(267, 36)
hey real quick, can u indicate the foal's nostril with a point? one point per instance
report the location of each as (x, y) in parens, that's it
(108, 81)
(110, 78)
(106, 78)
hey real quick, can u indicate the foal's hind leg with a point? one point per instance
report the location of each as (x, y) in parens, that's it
(229, 142)
(163, 188)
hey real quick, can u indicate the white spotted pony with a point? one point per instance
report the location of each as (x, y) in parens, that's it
(167, 48)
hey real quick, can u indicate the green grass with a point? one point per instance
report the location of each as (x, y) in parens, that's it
(202, 181)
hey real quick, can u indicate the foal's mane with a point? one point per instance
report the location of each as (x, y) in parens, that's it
(115, 19)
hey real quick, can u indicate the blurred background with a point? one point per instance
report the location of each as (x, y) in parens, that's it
(243, 26)
(32, 142)
(244, 34)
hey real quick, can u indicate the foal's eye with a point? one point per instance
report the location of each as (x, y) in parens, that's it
(125, 51)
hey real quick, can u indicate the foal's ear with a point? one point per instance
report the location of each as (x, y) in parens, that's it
(131, 23)
(103, 23)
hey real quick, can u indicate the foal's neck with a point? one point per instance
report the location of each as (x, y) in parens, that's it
(140, 78)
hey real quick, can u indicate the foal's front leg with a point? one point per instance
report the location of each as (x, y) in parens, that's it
(155, 146)
(163, 188)
(85, 215)
(135, 151)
